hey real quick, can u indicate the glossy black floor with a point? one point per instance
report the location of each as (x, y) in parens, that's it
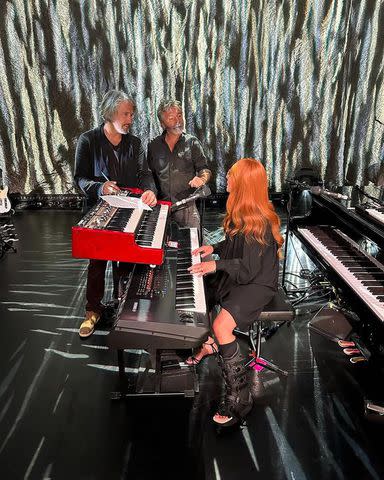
(57, 421)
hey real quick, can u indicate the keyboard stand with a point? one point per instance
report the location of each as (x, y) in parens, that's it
(161, 373)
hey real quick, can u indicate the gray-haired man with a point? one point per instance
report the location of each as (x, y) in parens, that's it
(109, 151)
(177, 162)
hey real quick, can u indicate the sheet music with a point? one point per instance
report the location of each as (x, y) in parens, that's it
(118, 201)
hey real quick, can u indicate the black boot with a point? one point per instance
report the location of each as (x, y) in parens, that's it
(238, 400)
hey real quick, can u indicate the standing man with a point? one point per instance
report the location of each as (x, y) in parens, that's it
(177, 162)
(109, 152)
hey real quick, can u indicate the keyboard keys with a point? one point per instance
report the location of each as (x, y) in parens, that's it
(363, 273)
(190, 294)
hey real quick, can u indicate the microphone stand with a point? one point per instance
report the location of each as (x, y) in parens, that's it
(201, 193)
(202, 213)
(288, 232)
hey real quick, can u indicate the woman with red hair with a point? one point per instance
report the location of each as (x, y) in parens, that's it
(245, 281)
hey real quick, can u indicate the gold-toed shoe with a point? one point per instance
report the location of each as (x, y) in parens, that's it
(88, 325)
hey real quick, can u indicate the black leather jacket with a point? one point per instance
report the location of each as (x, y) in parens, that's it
(173, 170)
(93, 154)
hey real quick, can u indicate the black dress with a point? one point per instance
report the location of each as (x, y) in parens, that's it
(246, 277)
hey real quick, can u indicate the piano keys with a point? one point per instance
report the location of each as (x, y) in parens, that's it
(190, 294)
(362, 272)
(349, 246)
(374, 213)
(163, 307)
(350, 218)
(148, 227)
(122, 234)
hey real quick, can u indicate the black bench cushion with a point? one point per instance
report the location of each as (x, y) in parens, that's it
(278, 309)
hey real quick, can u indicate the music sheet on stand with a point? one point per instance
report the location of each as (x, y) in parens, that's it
(125, 202)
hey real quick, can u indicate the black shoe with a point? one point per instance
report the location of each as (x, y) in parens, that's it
(238, 400)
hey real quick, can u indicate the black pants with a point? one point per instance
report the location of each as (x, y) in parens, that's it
(96, 282)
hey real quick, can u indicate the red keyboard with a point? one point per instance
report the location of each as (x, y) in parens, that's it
(122, 234)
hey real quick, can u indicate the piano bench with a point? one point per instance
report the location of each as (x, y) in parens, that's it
(277, 310)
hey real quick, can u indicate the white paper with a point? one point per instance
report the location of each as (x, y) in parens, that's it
(119, 201)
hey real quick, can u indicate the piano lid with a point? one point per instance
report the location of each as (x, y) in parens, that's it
(346, 214)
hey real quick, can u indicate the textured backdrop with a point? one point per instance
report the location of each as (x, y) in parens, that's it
(292, 82)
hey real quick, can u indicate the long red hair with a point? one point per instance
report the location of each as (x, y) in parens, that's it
(249, 210)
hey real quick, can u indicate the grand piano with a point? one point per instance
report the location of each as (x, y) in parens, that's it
(346, 239)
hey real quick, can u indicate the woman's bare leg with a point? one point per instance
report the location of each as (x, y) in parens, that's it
(209, 347)
(223, 326)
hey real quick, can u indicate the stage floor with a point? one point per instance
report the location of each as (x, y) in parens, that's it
(57, 421)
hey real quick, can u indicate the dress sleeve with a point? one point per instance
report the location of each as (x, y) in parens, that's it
(218, 247)
(84, 169)
(243, 270)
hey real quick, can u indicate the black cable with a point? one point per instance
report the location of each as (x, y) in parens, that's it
(319, 291)
(323, 295)
(294, 275)
(293, 285)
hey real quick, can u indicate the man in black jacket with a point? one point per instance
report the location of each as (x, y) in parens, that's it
(108, 158)
(177, 162)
